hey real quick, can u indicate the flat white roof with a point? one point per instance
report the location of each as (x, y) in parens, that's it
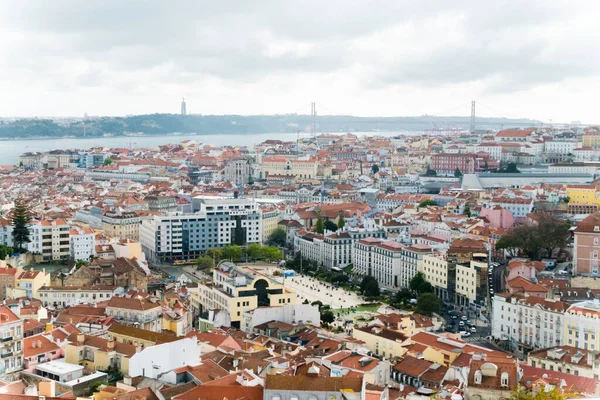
(58, 367)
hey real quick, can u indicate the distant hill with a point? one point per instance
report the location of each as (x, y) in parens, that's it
(160, 124)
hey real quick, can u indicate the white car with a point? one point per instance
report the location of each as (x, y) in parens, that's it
(462, 332)
(464, 318)
(473, 329)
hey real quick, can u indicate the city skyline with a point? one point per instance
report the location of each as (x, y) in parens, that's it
(527, 61)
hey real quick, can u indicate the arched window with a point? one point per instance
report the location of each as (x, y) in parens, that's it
(504, 379)
(478, 377)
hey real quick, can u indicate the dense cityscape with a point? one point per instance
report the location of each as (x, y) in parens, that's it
(448, 265)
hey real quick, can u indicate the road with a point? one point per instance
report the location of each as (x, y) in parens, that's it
(498, 283)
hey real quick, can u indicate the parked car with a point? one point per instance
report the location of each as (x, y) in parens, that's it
(464, 318)
(461, 323)
(473, 329)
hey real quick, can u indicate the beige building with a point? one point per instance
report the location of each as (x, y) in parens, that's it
(382, 341)
(122, 225)
(582, 325)
(140, 313)
(236, 289)
(468, 281)
(95, 353)
(56, 244)
(270, 221)
(28, 284)
(567, 359)
(11, 344)
(282, 165)
(435, 269)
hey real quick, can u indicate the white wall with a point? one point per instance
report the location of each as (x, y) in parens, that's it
(157, 360)
(288, 313)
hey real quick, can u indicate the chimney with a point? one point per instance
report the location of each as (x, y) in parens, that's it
(401, 387)
(127, 380)
(591, 357)
(39, 343)
(33, 344)
(80, 338)
(47, 389)
(111, 344)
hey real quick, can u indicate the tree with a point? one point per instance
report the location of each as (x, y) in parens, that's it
(369, 286)
(81, 263)
(254, 251)
(427, 203)
(430, 172)
(108, 161)
(205, 262)
(457, 173)
(341, 221)
(215, 254)
(5, 251)
(428, 303)
(319, 226)
(327, 316)
(374, 169)
(330, 226)
(419, 284)
(20, 220)
(270, 253)
(511, 168)
(486, 167)
(467, 211)
(232, 252)
(566, 199)
(542, 394)
(277, 237)
(509, 244)
(402, 297)
(553, 232)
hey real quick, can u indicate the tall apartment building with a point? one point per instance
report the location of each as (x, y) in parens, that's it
(270, 220)
(379, 259)
(82, 243)
(527, 322)
(6, 229)
(55, 240)
(236, 289)
(436, 269)
(411, 258)
(122, 224)
(215, 223)
(11, 345)
(587, 245)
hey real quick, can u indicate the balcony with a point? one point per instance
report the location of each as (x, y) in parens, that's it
(6, 339)
(6, 354)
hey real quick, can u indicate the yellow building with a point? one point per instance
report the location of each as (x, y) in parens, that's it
(381, 341)
(581, 325)
(270, 221)
(95, 353)
(435, 268)
(237, 289)
(122, 225)
(591, 139)
(583, 194)
(282, 165)
(468, 279)
(28, 283)
(138, 337)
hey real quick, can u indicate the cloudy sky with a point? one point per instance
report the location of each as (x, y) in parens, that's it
(536, 59)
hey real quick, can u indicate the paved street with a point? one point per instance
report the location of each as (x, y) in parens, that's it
(312, 290)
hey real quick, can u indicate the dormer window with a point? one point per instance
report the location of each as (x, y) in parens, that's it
(596, 228)
(478, 377)
(504, 379)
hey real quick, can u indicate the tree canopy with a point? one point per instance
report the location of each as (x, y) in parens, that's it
(428, 303)
(427, 203)
(430, 172)
(341, 221)
(545, 235)
(277, 237)
(5, 251)
(320, 226)
(20, 220)
(419, 284)
(369, 286)
(232, 252)
(205, 262)
(457, 173)
(331, 226)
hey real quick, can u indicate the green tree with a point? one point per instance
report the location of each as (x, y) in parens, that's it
(511, 168)
(427, 203)
(5, 251)
(320, 226)
(467, 211)
(430, 172)
(341, 221)
(327, 316)
(419, 284)
(369, 286)
(277, 237)
(552, 231)
(374, 169)
(519, 393)
(81, 263)
(205, 262)
(215, 254)
(457, 173)
(108, 161)
(330, 226)
(486, 167)
(428, 303)
(20, 220)
(232, 252)
(270, 253)
(254, 251)
(402, 297)
(566, 199)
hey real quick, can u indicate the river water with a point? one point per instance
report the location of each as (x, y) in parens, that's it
(11, 149)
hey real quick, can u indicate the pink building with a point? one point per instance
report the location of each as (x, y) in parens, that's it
(38, 349)
(522, 285)
(527, 270)
(587, 245)
(498, 216)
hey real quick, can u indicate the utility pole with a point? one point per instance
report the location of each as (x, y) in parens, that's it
(472, 129)
(313, 115)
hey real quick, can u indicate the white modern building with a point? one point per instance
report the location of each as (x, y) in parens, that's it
(380, 259)
(289, 314)
(65, 296)
(154, 361)
(82, 243)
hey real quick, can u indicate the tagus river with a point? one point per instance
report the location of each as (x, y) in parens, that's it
(11, 149)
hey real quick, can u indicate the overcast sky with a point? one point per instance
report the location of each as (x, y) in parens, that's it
(369, 58)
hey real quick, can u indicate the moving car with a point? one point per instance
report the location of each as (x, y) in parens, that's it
(473, 329)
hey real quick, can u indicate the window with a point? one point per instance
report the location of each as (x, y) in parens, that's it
(504, 379)
(478, 377)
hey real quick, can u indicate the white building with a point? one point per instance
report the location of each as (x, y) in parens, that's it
(379, 259)
(519, 207)
(310, 246)
(528, 322)
(289, 313)
(55, 240)
(560, 146)
(154, 361)
(64, 296)
(82, 243)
